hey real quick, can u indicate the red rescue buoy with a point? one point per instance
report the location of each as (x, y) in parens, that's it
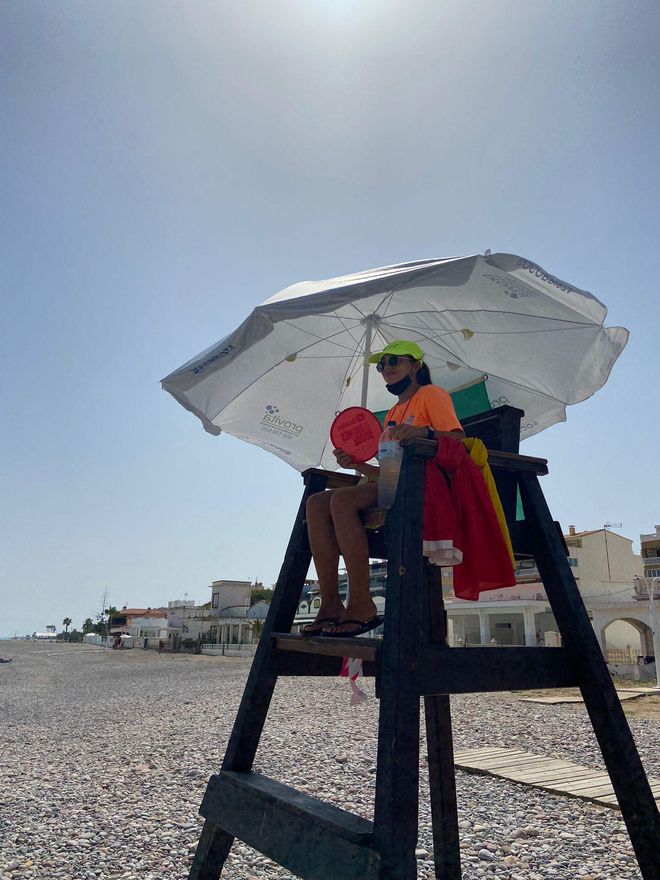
(356, 430)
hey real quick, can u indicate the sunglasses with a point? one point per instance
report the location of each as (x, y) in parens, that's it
(392, 360)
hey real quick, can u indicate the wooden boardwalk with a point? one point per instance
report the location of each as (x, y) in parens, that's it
(549, 774)
(622, 693)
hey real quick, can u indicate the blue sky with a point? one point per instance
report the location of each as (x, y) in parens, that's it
(166, 166)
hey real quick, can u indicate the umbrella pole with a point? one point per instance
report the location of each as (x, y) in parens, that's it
(365, 362)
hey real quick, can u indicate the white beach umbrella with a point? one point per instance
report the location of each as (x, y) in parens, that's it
(499, 321)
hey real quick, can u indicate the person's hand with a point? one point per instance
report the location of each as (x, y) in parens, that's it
(343, 458)
(408, 432)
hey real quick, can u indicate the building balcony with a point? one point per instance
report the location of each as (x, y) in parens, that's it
(642, 590)
(229, 611)
(651, 560)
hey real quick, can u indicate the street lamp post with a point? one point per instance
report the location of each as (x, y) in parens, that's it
(650, 584)
(654, 629)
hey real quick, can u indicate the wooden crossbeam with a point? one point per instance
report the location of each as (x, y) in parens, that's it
(313, 839)
(445, 670)
(442, 670)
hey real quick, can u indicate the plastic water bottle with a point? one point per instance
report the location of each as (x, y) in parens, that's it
(389, 459)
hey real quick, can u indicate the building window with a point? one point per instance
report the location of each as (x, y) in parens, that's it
(215, 601)
(572, 561)
(316, 603)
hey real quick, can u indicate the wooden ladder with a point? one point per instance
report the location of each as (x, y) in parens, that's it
(318, 841)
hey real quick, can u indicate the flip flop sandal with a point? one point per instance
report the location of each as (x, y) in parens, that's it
(362, 628)
(319, 626)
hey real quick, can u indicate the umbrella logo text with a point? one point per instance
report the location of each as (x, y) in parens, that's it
(510, 289)
(538, 272)
(273, 422)
(202, 365)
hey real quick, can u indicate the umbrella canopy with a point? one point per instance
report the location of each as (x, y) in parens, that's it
(497, 323)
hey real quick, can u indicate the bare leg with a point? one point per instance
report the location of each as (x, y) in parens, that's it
(325, 551)
(345, 507)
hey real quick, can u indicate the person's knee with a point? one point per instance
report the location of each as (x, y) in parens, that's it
(318, 505)
(344, 503)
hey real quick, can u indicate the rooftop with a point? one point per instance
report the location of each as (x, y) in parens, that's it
(140, 612)
(653, 536)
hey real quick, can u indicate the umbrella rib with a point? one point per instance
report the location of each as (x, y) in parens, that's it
(342, 319)
(319, 338)
(576, 326)
(386, 294)
(494, 375)
(526, 388)
(321, 357)
(497, 312)
(434, 342)
(419, 332)
(271, 368)
(541, 330)
(353, 355)
(341, 393)
(349, 330)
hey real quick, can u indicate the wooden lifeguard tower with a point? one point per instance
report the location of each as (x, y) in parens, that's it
(318, 841)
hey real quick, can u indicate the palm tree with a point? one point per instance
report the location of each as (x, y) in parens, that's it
(111, 611)
(88, 625)
(257, 628)
(66, 623)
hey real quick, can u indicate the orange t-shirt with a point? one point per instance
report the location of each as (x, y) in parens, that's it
(431, 406)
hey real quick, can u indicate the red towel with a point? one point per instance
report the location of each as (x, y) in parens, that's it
(464, 513)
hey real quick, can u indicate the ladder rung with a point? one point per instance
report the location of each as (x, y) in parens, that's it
(315, 840)
(444, 670)
(360, 648)
(289, 663)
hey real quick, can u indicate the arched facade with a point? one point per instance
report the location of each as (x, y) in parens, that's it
(638, 618)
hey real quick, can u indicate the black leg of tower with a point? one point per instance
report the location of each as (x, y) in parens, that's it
(397, 777)
(211, 852)
(616, 742)
(214, 843)
(442, 778)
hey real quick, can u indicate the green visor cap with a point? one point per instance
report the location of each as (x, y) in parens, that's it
(403, 347)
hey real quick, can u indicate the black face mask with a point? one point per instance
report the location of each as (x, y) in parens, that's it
(400, 386)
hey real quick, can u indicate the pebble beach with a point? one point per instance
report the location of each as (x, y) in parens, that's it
(106, 756)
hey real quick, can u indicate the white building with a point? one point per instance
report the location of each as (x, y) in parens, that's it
(650, 546)
(604, 568)
(148, 628)
(228, 619)
(230, 605)
(139, 623)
